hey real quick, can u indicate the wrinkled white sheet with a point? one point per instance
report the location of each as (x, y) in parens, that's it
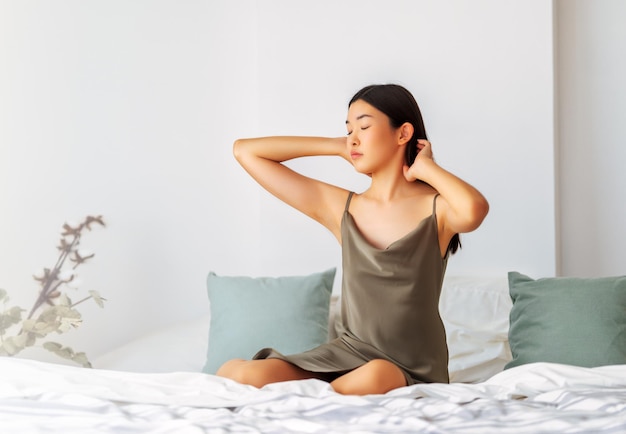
(536, 398)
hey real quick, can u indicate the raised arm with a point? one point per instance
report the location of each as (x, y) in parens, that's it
(463, 207)
(262, 158)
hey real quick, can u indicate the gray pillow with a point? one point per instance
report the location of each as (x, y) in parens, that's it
(568, 320)
(289, 314)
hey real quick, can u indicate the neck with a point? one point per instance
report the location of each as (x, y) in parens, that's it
(386, 187)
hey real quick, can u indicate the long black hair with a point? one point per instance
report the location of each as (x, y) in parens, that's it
(400, 106)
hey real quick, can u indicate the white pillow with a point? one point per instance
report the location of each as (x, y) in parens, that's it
(475, 312)
(181, 347)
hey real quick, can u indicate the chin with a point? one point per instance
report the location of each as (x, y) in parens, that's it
(363, 169)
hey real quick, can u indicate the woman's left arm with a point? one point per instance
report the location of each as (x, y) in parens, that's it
(465, 207)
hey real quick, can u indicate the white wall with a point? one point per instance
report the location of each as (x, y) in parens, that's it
(482, 80)
(592, 134)
(129, 109)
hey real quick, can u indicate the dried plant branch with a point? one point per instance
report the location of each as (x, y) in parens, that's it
(52, 311)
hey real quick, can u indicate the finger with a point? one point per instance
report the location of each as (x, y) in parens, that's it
(407, 175)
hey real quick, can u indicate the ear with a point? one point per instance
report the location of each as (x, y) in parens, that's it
(405, 133)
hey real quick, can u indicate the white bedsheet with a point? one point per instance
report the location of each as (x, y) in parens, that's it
(536, 398)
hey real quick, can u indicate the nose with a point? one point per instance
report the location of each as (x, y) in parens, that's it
(353, 140)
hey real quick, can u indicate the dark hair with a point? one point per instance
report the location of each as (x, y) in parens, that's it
(400, 106)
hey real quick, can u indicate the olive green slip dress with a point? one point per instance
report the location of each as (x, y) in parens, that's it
(389, 307)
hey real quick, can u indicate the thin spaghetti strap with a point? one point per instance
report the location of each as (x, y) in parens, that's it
(435, 203)
(348, 201)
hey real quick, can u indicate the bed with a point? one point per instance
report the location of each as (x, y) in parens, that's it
(500, 382)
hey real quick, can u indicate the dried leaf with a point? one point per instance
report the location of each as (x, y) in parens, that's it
(28, 325)
(10, 317)
(64, 300)
(13, 345)
(81, 359)
(80, 256)
(61, 318)
(93, 219)
(71, 228)
(30, 341)
(67, 353)
(96, 297)
(42, 275)
(64, 245)
(52, 346)
(39, 329)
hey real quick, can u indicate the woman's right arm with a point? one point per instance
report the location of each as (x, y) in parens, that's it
(262, 158)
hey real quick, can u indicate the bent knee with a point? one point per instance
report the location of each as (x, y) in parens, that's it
(232, 369)
(385, 374)
(257, 373)
(244, 372)
(374, 377)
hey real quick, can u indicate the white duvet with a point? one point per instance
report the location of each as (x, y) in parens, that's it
(43, 397)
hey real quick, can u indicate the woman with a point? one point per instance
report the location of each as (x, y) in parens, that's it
(396, 237)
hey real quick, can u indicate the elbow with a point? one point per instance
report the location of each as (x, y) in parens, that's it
(238, 149)
(471, 217)
(478, 213)
(483, 209)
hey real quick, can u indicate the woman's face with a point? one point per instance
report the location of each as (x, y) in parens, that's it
(372, 141)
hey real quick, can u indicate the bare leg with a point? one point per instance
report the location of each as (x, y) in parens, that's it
(258, 373)
(375, 377)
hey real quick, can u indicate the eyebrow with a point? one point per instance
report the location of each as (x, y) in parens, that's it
(360, 117)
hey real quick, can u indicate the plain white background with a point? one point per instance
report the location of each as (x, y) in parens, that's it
(129, 110)
(591, 109)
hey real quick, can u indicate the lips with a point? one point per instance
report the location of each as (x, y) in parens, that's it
(355, 155)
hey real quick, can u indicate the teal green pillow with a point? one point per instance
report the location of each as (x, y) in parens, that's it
(289, 314)
(568, 320)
